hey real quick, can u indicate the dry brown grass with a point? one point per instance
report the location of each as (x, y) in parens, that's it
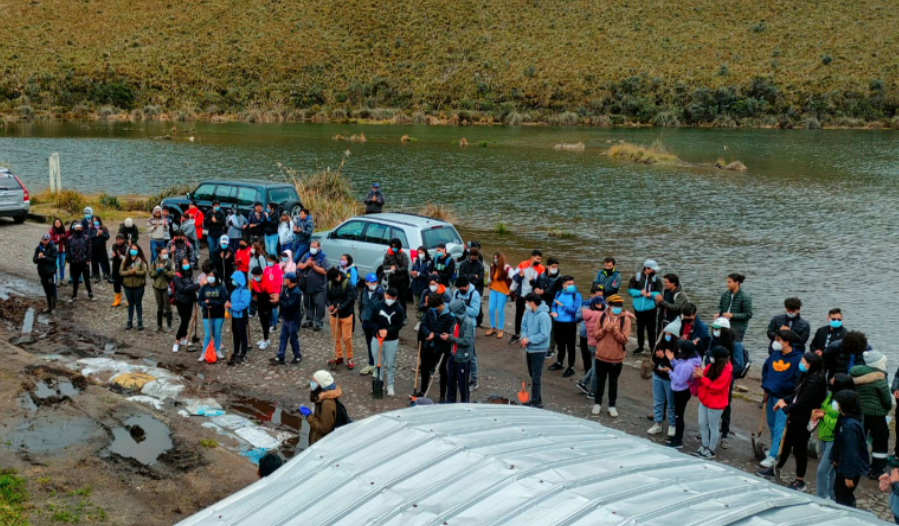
(326, 193)
(656, 153)
(438, 211)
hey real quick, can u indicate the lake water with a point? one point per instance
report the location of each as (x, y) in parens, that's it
(814, 217)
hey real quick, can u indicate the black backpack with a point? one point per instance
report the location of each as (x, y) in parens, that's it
(342, 417)
(741, 361)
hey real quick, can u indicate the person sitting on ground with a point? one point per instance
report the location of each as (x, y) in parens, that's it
(874, 393)
(643, 287)
(536, 330)
(268, 464)
(325, 395)
(779, 377)
(611, 333)
(791, 320)
(832, 332)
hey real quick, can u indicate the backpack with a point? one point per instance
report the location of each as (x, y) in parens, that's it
(171, 289)
(342, 418)
(741, 361)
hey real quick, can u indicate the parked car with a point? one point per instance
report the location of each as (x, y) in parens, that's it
(367, 237)
(14, 200)
(242, 193)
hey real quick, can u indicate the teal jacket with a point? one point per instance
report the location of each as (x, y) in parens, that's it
(637, 286)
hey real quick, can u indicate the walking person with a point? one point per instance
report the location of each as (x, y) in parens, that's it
(340, 298)
(662, 395)
(60, 238)
(185, 300)
(162, 272)
(374, 200)
(643, 287)
(236, 225)
(827, 416)
(472, 268)
(877, 402)
(396, 266)
(460, 355)
(99, 235)
(523, 278)
(369, 298)
(420, 273)
(118, 252)
(791, 320)
(565, 306)
(134, 280)
(736, 305)
(388, 319)
(303, 226)
(811, 390)
(314, 266)
(536, 328)
(499, 282)
(780, 374)
(849, 455)
(611, 333)
(239, 306)
(683, 363)
(608, 278)
(157, 230)
(79, 255)
(266, 293)
(46, 257)
(714, 384)
(291, 302)
(212, 298)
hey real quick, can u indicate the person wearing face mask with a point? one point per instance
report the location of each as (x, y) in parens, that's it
(80, 261)
(662, 395)
(499, 281)
(212, 298)
(461, 352)
(60, 238)
(831, 332)
(291, 305)
(185, 300)
(608, 278)
(340, 298)
(421, 271)
(536, 328)
(118, 252)
(671, 301)
(242, 255)
(215, 224)
(303, 226)
(437, 320)
(849, 454)
(314, 266)
(236, 224)
(565, 305)
(590, 313)
(45, 257)
(842, 355)
(264, 292)
(643, 287)
(196, 215)
(810, 392)
(134, 279)
(780, 375)
(285, 233)
(469, 296)
(275, 276)
(472, 268)
(712, 390)
(180, 248)
(239, 305)
(130, 231)
(286, 262)
(157, 228)
(388, 319)
(870, 381)
(683, 362)
(255, 223)
(523, 278)
(723, 336)
(99, 235)
(348, 268)
(256, 258)
(444, 265)
(826, 417)
(547, 285)
(270, 228)
(611, 333)
(87, 220)
(736, 305)
(326, 397)
(370, 296)
(163, 273)
(434, 287)
(222, 257)
(396, 266)
(791, 320)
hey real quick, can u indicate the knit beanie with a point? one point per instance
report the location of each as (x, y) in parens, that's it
(323, 379)
(875, 360)
(673, 327)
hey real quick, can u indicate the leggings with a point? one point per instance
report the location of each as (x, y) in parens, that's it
(497, 309)
(265, 318)
(646, 321)
(566, 335)
(185, 311)
(681, 399)
(795, 440)
(603, 370)
(49, 284)
(586, 354)
(519, 314)
(135, 299)
(239, 335)
(79, 272)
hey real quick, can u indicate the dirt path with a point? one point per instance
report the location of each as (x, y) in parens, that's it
(272, 393)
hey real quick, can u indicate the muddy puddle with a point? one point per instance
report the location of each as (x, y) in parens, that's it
(47, 385)
(263, 411)
(142, 438)
(52, 433)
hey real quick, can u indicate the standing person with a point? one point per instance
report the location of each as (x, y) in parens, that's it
(779, 377)
(325, 395)
(471, 299)
(314, 266)
(608, 278)
(643, 287)
(662, 395)
(832, 332)
(239, 305)
(257, 258)
(163, 272)
(736, 305)
(611, 333)
(270, 228)
(118, 252)
(396, 265)
(683, 363)
(242, 257)
(849, 455)
(810, 393)
(565, 306)
(45, 257)
(722, 336)
(99, 235)
(870, 381)
(421, 272)
(842, 355)
(827, 416)
(169, 222)
(196, 215)
(444, 265)
(437, 320)
(790, 321)
(590, 313)
(60, 238)
(302, 233)
(255, 224)
(213, 296)
(222, 256)
(536, 327)
(185, 299)
(285, 233)
(157, 229)
(388, 319)
(671, 301)
(473, 269)
(693, 328)
(434, 287)
(713, 388)
(266, 293)
(180, 248)
(369, 298)
(236, 225)
(130, 231)
(215, 226)
(499, 282)
(275, 276)
(348, 268)
(287, 265)
(547, 285)
(134, 279)
(462, 339)
(80, 261)
(523, 278)
(374, 200)
(340, 298)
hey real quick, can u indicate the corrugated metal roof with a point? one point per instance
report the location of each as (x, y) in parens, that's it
(478, 464)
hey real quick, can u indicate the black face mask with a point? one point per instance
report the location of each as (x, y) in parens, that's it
(179, 241)
(243, 247)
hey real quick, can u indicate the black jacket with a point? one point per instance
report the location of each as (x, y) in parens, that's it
(550, 285)
(99, 236)
(825, 336)
(270, 225)
(837, 361)
(341, 295)
(131, 234)
(663, 361)
(798, 325)
(850, 447)
(810, 394)
(217, 296)
(474, 272)
(46, 266)
(390, 318)
(222, 261)
(290, 303)
(215, 229)
(437, 324)
(79, 248)
(185, 288)
(445, 268)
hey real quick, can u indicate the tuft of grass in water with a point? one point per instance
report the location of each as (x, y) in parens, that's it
(69, 204)
(326, 193)
(438, 211)
(209, 443)
(408, 138)
(501, 228)
(562, 234)
(653, 154)
(482, 144)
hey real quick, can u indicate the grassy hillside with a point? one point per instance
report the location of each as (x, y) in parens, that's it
(742, 62)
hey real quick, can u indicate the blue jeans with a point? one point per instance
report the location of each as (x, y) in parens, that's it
(61, 265)
(216, 334)
(155, 247)
(289, 330)
(825, 476)
(776, 422)
(497, 309)
(271, 244)
(662, 397)
(275, 316)
(299, 250)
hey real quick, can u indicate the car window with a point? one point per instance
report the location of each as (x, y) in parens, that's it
(351, 231)
(247, 196)
(378, 234)
(440, 234)
(225, 193)
(281, 195)
(7, 182)
(203, 192)
(399, 234)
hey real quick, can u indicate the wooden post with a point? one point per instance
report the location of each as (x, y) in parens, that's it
(55, 177)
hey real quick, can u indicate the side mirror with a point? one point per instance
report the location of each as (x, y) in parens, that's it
(187, 196)
(331, 235)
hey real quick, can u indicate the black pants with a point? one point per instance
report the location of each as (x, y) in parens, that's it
(429, 360)
(842, 494)
(566, 336)
(49, 284)
(239, 335)
(605, 370)
(99, 261)
(116, 282)
(80, 273)
(877, 428)
(795, 441)
(586, 355)
(480, 316)
(646, 321)
(369, 330)
(896, 420)
(519, 314)
(135, 299)
(725, 417)
(185, 311)
(265, 317)
(681, 399)
(458, 379)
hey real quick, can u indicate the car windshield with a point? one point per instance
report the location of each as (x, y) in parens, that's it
(440, 234)
(7, 182)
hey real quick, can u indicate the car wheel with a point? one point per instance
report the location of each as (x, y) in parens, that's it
(19, 219)
(295, 210)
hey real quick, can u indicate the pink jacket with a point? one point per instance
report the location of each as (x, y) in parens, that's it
(289, 266)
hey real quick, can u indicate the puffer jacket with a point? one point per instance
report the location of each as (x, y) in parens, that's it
(163, 273)
(342, 296)
(185, 287)
(570, 304)
(610, 281)
(134, 275)
(99, 236)
(637, 285)
(399, 259)
(285, 233)
(46, 266)
(462, 334)
(368, 299)
(741, 308)
(798, 325)
(672, 304)
(79, 248)
(873, 391)
(324, 417)
(420, 282)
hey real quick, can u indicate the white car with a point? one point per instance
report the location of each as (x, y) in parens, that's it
(14, 200)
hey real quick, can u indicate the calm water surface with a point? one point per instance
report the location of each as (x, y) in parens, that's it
(815, 216)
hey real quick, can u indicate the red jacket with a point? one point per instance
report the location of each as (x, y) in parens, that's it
(60, 240)
(242, 260)
(713, 394)
(197, 216)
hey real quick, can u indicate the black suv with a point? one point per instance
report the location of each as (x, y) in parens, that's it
(243, 193)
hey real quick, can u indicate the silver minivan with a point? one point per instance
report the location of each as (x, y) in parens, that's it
(366, 238)
(14, 200)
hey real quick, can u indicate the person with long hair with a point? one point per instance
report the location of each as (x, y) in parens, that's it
(60, 238)
(162, 274)
(117, 253)
(683, 362)
(826, 417)
(257, 258)
(134, 280)
(99, 235)
(714, 383)
(185, 299)
(499, 282)
(724, 336)
(265, 292)
(849, 455)
(810, 392)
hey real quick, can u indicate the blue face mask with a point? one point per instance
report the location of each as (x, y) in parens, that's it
(836, 324)
(216, 208)
(283, 259)
(185, 267)
(803, 367)
(667, 337)
(133, 252)
(224, 245)
(234, 284)
(616, 310)
(87, 216)
(570, 289)
(96, 223)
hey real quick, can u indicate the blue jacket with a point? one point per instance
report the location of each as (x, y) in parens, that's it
(636, 287)
(699, 331)
(472, 301)
(290, 303)
(240, 296)
(536, 327)
(780, 374)
(571, 303)
(303, 229)
(610, 281)
(850, 448)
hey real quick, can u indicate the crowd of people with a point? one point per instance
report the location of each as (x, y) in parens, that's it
(266, 267)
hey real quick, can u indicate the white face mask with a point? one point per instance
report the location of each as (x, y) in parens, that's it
(252, 251)
(835, 406)
(313, 384)
(373, 287)
(716, 333)
(389, 302)
(313, 251)
(777, 346)
(211, 280)
(712, 359)
(553, 271)
(433, 288)
(421, 256)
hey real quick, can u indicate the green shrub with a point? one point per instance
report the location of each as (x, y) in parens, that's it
(152, 110)
(826, 59)
(110, 201)
(338, 114)
(666, 119)
(759, 27)
(810, 123)
(106, 112)
(26, 112)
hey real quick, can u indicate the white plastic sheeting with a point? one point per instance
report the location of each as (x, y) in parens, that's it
(507, 465)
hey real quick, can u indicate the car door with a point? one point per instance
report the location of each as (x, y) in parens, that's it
(373, 247)
(245, 197)
(344, 239)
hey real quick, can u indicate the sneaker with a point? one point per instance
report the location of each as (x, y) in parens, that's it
(673, 444)
(568, 373)
(700, 451)
(767, 463)
(766, 473)
(265, 344)
(390, 390)
(91, 298)
(581, 387)
(306, 325)
(259, 343)
(555, 367)
(591, 396)
(798, 485)
(367, 369)
(597, 408)
(316, 328)
(613, 412)
(654, 430)
(550, 355)
(202, 357)
(638, 350)
(473, 386)
(350, 365)
(71, 300)
(175, 348)
(724, 444)
(710, 455)
(296, 360)
(219, 355)
(276, 361)
(515, 338)
(671, 430)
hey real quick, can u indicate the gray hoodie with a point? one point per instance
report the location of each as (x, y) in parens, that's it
(465, 341)
(536, 327)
